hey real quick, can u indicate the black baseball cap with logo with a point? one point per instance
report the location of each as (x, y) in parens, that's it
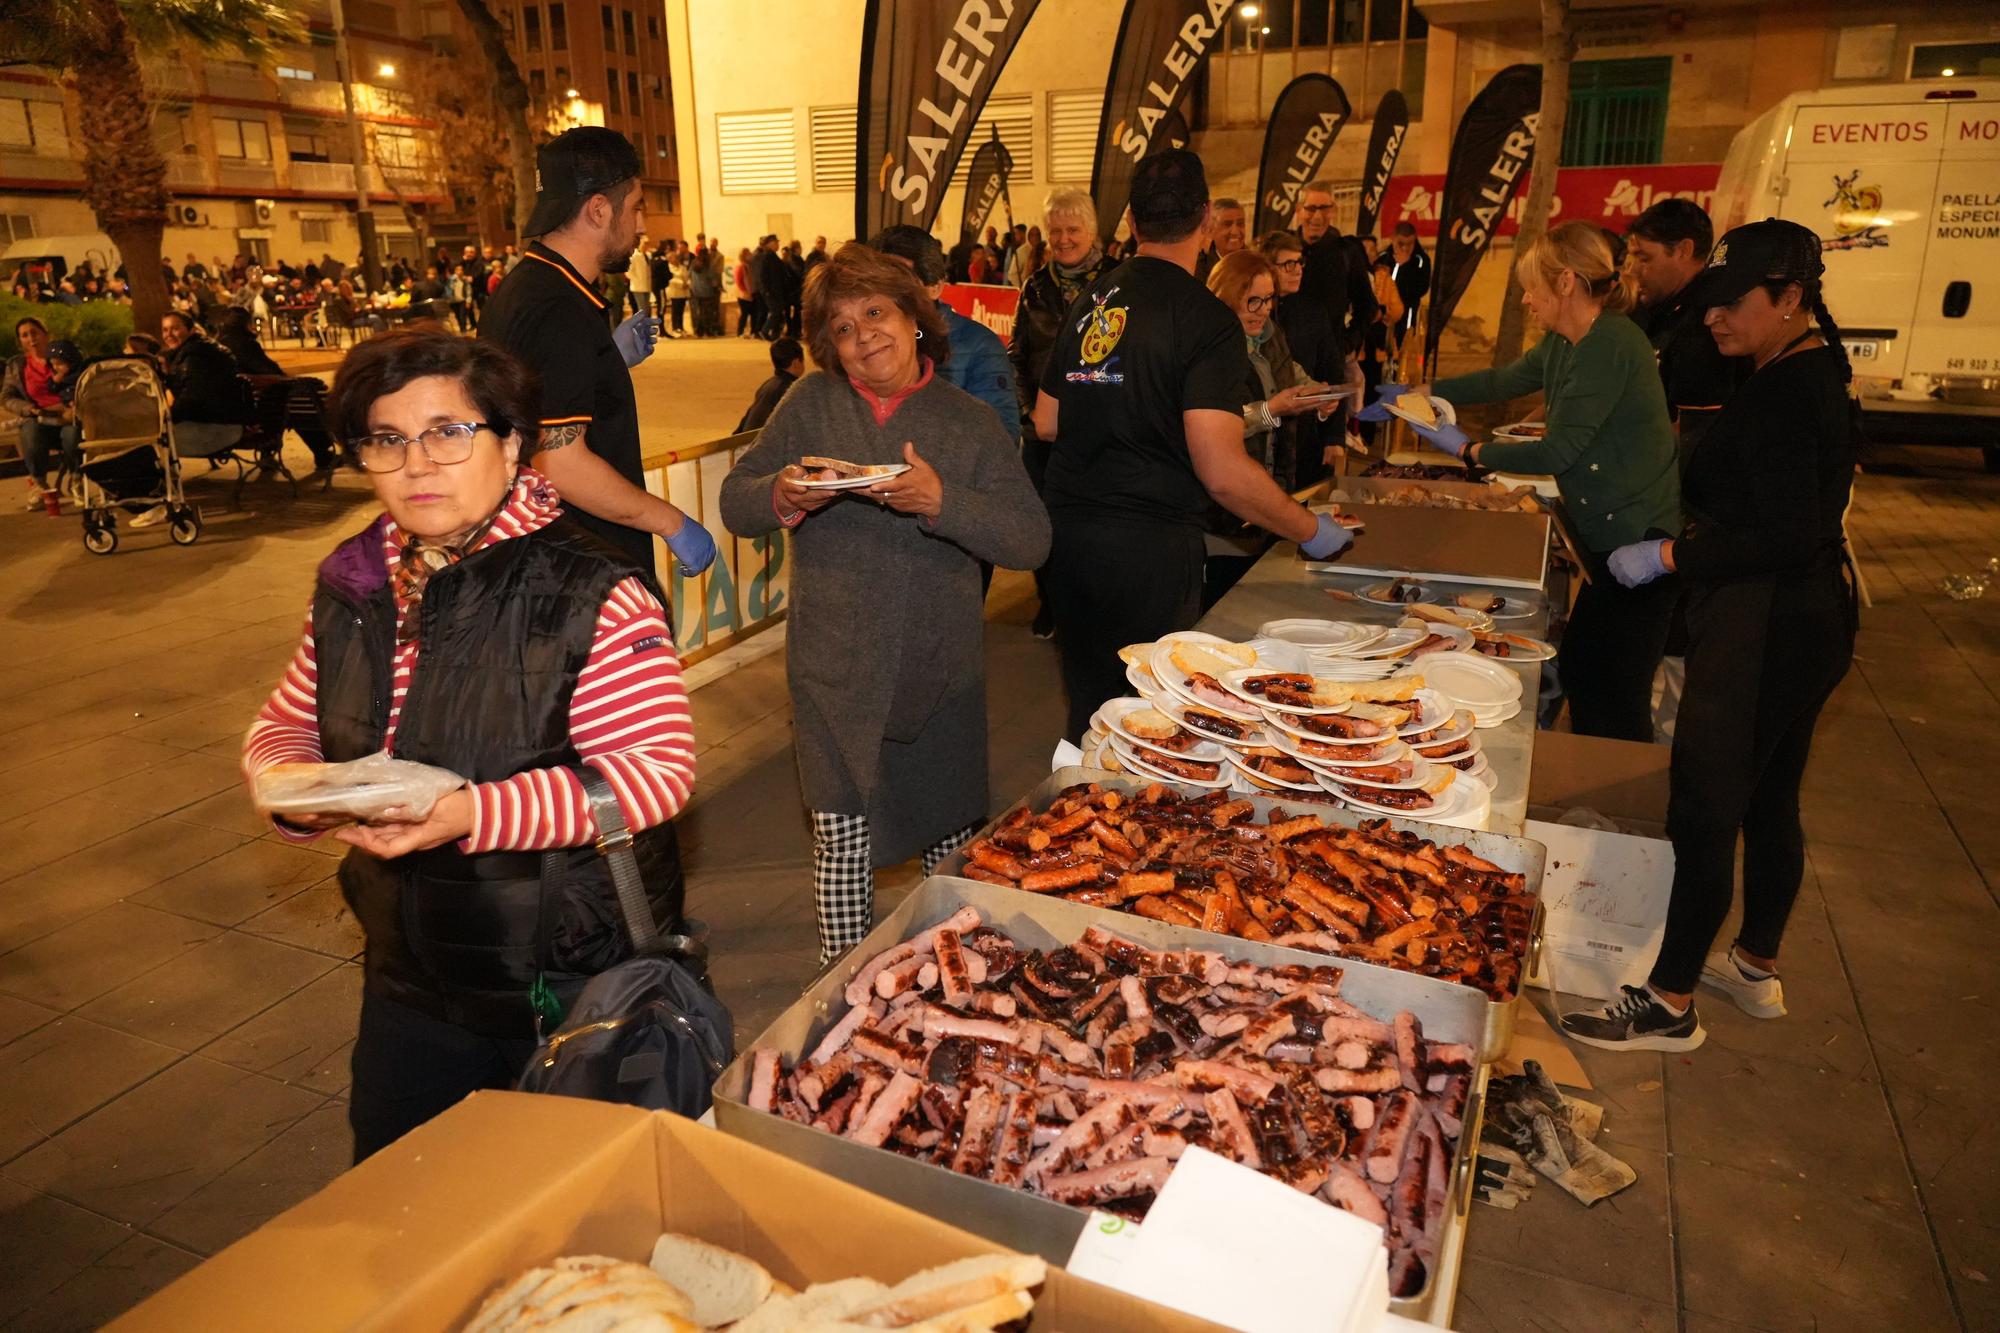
(574, 165)
(1748, 256)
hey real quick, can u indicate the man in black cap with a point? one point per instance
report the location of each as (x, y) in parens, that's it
(548, 312)
(1669, 245)
(1143, 398)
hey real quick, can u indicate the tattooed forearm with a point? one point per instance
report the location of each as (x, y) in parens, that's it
(556, 437)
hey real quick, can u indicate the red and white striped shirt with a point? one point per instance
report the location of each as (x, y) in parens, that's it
(628, 719)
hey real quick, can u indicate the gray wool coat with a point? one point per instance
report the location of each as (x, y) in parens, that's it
(885, 640)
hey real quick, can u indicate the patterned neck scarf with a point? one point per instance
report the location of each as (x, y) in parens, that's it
(1070, 280)
(419, 559)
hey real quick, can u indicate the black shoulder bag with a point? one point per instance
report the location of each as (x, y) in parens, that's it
(648, 1031)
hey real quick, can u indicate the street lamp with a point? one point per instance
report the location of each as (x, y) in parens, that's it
(1947, 72)
(1248, 11)
(571, 93)
(385, 70)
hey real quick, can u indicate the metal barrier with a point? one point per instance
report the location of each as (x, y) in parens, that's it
(746, 590)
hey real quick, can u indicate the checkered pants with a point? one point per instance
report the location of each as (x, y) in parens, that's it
(844, 880)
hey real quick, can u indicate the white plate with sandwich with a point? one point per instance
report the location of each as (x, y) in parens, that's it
(1140, 723)
(849, 476)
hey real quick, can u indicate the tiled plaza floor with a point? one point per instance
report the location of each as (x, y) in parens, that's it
(177, 989)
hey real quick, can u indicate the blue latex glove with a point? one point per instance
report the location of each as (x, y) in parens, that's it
(1384, 393)
(1446, 437)
(635, 338)
(692, 546)
(1639, 563)
(1329, 541)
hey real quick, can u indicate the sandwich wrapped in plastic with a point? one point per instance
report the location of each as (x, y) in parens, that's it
(361, 789)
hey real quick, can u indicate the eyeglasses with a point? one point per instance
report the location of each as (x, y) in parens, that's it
(1290, 265)
(1315, 208)
(1254, 304)
(444, 445)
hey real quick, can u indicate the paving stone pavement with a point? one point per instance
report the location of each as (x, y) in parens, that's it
(178, 988)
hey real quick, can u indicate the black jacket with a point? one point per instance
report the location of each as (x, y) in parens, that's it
(1037, 320)
(205, 383)
(505, 634)
(769, 393)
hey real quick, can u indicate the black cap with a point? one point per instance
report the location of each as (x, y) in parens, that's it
(1755, 253)
(574, 165)
(1168, 188)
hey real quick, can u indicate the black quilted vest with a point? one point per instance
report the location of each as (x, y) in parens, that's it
(505, 634)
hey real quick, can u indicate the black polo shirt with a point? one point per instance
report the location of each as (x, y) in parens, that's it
(548, 316)
(1697, 377)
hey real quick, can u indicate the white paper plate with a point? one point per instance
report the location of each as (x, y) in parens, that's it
(1240, 763)
(1378, 593)
(1419, 771)
(856, 483)
(1279, 654)
(1495, 718)
(1526, 650)
(1116, 711)
(1322, 636)
(1437, 709)
(1461, 616)
(1442, 803)
(1513, 434)
(1143, 682)
(1396, 643)
(1475, 681)
(1295, 747)
(1135, 759)
(1175, 680)
(1178, 709)
(1461, 725)
(1234, 683)
(1275, 720)
(1446, 413)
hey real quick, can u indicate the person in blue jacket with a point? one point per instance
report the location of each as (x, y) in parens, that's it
(979, 363)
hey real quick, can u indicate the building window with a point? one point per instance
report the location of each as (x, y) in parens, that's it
(660, 149)
(1617, 112)
(531, 27)
(1955, 60)
(759, 152)
(398, 148)
(506, 17)
(632, 90)
(246, 140)
(306, 141)
(17, 227)
(289, 72)
(612, 99)
(1073, 121)
(659, 87)
(538, 83)
(833, 147)
(610, 29)
(33, 125)
(558, 28)
(316, 231)
(631, 28)
(653, 26)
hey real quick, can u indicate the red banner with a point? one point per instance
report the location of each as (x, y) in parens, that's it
(991, 305)
(1608, 196)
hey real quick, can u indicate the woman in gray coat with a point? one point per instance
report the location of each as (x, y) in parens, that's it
(885, 641)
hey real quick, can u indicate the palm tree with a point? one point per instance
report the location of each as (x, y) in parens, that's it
(94, 45)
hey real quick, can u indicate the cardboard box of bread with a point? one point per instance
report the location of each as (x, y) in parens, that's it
(519, 1212)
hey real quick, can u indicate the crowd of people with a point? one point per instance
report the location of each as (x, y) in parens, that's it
(1137, 445)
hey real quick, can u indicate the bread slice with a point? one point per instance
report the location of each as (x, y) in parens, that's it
(1420, 409)
(723, 1285)
(981, 1318)
(587, 1293)
(1151, 724)
(1213, 659)
(948, 1287)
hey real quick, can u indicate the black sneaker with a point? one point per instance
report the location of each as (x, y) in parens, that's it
(1638, 1022)
(1044, 626)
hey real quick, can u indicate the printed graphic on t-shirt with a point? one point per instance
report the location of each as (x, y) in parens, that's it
(1101, 328)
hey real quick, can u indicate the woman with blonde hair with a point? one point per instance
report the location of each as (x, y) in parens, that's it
(1610, 446)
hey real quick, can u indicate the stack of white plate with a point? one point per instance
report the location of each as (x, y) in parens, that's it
(1490, 690)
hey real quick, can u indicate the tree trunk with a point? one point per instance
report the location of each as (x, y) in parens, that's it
(510, 94)
(1558, 46)
(124, 176)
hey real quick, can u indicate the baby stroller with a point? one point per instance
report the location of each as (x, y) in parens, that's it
(127, 453)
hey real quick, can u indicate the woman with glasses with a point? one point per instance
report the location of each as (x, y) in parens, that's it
(1275, 393)
(474, 627)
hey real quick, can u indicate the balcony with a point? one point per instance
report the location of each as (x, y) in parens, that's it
(35, 166)
(330, 177)
(235, 83)
(186, 170)
(241, 174)
(170, 80)
(315, 94)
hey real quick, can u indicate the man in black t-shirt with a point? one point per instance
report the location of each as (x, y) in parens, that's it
(1669, 245)
(549, 313)
(1143, 398)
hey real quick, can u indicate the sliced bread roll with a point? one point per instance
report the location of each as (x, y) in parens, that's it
(586, 1294)
(948, 1287)
(1213, 659)
(984, 1317)
(722, 1284)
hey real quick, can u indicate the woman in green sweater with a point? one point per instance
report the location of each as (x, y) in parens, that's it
(1611, 449)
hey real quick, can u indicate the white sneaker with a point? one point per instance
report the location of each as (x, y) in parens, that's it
(157, 514)
(1763, 998)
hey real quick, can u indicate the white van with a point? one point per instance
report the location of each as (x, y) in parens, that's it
(1902, 183)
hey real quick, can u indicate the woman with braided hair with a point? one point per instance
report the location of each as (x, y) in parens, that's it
(1771, 614)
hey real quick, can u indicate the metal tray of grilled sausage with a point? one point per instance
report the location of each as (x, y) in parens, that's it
(1523, 856)
(1016, 1218)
